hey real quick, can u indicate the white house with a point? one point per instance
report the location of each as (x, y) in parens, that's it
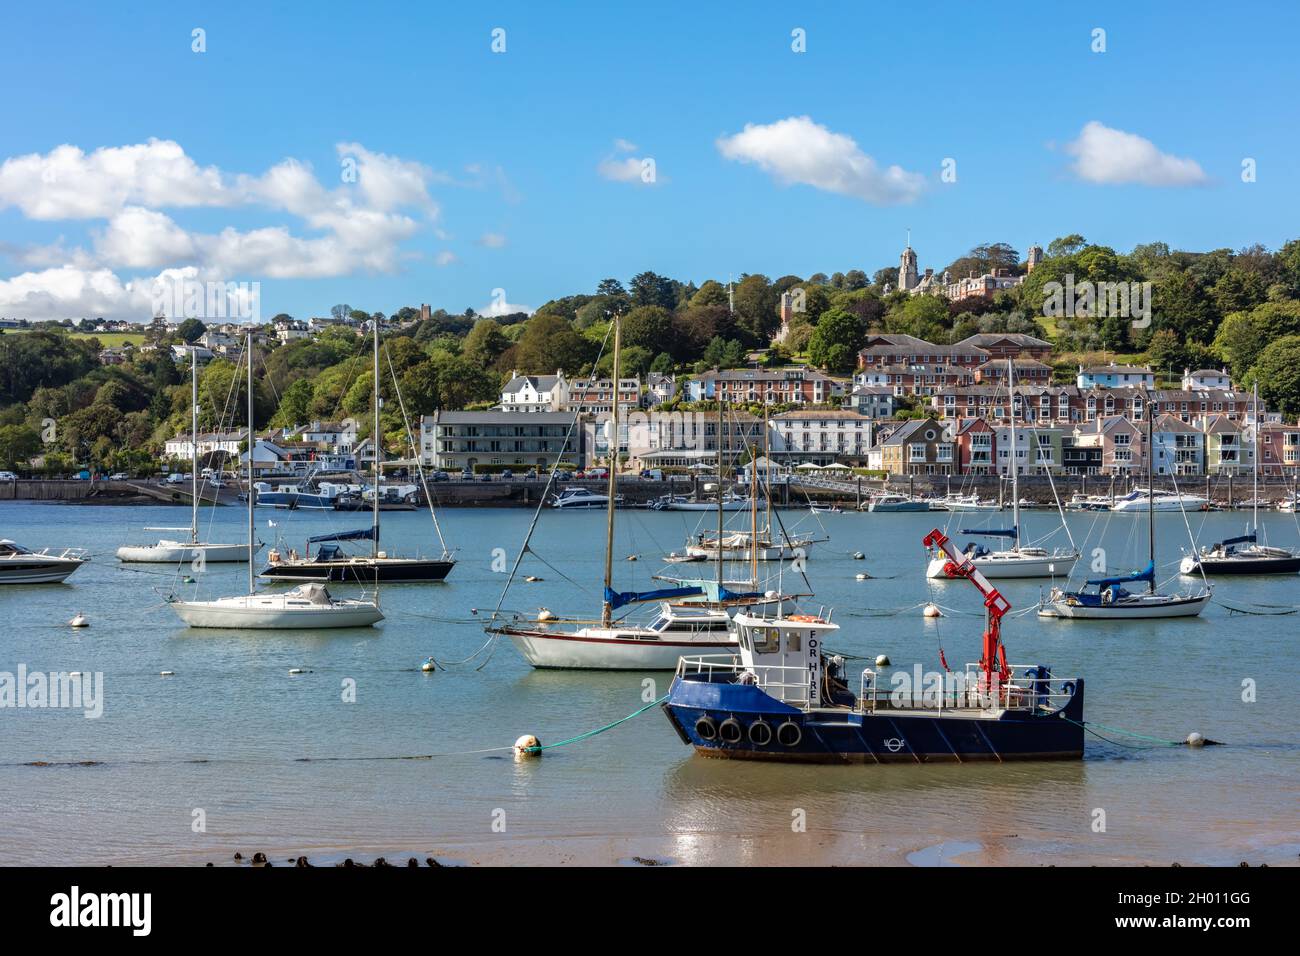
(1205, 379)
(535, 393)
(182, 447)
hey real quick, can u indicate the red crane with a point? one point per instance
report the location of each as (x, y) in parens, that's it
(960, 566)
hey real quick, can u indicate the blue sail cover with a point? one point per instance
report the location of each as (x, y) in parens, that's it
(364, 534)
(995, 532)
(727, 595)
(1243, 539)
(617, 599)
(1146, 574)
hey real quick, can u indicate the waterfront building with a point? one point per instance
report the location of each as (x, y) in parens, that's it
(454, 441)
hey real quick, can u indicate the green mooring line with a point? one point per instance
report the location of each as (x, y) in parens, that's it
(598, 730)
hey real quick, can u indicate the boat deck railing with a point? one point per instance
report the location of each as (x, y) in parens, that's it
(74, 554)
(969, 691)
(786, 683)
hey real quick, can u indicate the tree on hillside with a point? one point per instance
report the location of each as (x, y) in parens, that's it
(1277, 372)
(1065, 245)
(649, 327)
(550, 343)
(835, 341)
(191, 330)
(649, 288)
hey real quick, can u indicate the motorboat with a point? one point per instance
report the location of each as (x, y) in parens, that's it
(889, 502)
(1141, 500)
(577, 498)
(19, 565)
(784, 697)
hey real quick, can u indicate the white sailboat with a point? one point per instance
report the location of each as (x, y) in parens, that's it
(1020, 560)
(168, 550)
(1111, 601)
(547, 642)
(308, 606)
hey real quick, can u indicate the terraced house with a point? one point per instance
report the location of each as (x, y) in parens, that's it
(1279, 450)
(919, 447)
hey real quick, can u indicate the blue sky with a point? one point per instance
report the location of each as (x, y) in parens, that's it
(487, 167)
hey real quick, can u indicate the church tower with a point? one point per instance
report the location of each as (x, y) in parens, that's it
(907, 278)
(1034, 258)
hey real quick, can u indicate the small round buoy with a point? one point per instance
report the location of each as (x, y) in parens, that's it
(428, 665)
(187, 580)
(882, 660)
(166, 673)
(858, 555)
(79, 620)
(862, 577)
(532, 579)
(932, 610)
(528, 746)
(633, 557)
(1195, 740)
(295, 670)
(544, 615)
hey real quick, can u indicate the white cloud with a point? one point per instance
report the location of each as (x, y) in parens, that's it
(797, 150)
(493, 240)
(445, 258)
(1112, 156)
(358, 225)
(623, 146)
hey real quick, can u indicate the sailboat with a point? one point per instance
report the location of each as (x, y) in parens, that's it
(331, 563)
(1020, 560)
(1111, 600)
(1226, 557)
(307, 606)
(168, 551)
(549, 642)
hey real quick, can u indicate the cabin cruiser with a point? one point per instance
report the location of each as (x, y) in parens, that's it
(783, 696)
(18, 565)
(890, 502)
(1141, 500)
(305, 495)
(576, 498)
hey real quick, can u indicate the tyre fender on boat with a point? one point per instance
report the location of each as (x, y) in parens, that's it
(706, 728)
(760, 733)
(789, 734)
(730, 731)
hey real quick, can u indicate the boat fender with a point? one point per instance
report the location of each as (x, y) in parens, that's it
(706, 728)
(730, 731)
(789, 734)
(760, 733)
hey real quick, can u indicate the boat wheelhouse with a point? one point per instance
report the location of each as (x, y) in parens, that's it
(783, 696)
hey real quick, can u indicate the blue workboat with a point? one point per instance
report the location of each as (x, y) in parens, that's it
(784, 697)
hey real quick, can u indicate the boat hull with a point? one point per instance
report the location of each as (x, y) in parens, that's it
(1047, 566)
(25, 571)
(269, 617)
(898, 507)
(570, 651)
(174, 552)
(1193, 566)
(1180, 607)
(294, 501)
(842, 736)
(362, 571)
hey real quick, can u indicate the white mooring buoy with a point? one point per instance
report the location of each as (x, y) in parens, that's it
(932, 610)
(79, 620)
(295, 670)
(528, 746)
(862, 577)
(882, 660)
(1195, 740)
(858, 556)
(545, 615)
(428, 665)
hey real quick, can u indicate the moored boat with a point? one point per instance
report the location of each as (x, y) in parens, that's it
(784, 697)
(19, 565)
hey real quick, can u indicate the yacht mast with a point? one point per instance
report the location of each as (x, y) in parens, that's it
(612, 486)
(1015, 468)
(252, 443)
(1151, 494)
(1254, 527)
(719, 491)
(194, 445)
(374, 448)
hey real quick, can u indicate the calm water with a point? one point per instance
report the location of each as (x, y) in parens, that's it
(228, 733)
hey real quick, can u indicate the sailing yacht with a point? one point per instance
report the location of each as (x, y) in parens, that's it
(307, 606)
(548, 642)
(167, 550)
(1111, 600)
(1252, 557)
(1020, 560)
(331, 563)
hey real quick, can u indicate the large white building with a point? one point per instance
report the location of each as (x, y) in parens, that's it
(535, 393)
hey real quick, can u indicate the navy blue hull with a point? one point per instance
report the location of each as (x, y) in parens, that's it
(770, 730)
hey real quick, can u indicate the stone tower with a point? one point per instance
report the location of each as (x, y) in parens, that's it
(907, 277)
(1034, 257)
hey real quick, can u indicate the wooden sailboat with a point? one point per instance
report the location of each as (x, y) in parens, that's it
(1020, 560)
(1110, 601)
(308, 606)
(169, 551)
(331, 563)
(1244, 554)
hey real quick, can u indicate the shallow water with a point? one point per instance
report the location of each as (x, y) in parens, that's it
(282, 764)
